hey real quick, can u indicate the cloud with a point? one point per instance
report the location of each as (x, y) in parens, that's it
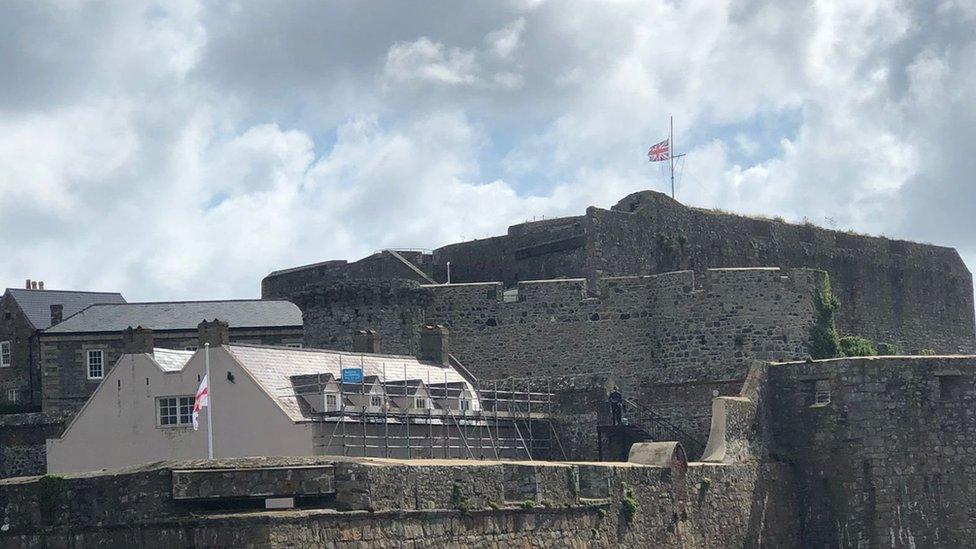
(185, 150)
(425, 60)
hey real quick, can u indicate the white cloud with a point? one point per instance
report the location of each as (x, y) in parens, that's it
(425, 60)
(186, 151)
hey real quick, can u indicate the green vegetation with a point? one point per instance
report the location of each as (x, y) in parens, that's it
(458, 500)
(856, 346)
(824, 341)
(927, 352)
(889, 349)
(527, 504)
(629, 506)
(49, 490)
(706, 482)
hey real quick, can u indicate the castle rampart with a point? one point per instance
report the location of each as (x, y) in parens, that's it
(676, 328)
(916, 295)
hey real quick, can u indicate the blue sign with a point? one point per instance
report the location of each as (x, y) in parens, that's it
(352, 375)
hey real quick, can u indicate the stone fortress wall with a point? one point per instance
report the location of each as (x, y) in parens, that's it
(886, 456)
(394, 503)
(916, 295)
(650, 333)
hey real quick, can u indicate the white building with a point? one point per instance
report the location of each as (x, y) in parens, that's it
(276, 401)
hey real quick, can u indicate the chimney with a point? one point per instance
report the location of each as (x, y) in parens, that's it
(40, 285)
(137, 340)
(434, 345)
(216, 333)
(57, 313)
(28, 285)
(365, 341)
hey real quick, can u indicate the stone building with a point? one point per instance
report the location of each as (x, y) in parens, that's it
(917, 296)
(671, 340)
(78, 353)
(24, 314)
(271, 401)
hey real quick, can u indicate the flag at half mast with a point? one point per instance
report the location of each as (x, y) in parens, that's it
(202, 400)
(659, 151)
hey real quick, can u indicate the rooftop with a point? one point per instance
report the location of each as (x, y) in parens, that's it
(36, 304)
(181, 315)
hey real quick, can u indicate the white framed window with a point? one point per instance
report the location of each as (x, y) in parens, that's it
(331, 402)
(190, 348)
(175, 411)
(12, 395)
(420, 402)
(95, 360)
(464, 404)
(376, 401)
(4, 354)
(293, 345)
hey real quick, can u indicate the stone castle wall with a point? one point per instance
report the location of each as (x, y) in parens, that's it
(698, 331)
(886, 457)
(385, 503)
(23, 448)
(918, 296)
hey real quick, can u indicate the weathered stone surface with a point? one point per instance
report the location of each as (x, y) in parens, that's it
(414, 503)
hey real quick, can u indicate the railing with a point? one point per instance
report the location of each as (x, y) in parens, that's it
(657, 425)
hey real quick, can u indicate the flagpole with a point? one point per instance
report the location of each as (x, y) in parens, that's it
(206, 361)
(671, 154)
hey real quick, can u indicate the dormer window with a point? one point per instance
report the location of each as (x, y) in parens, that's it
(376, 401)
(464, 404)
(331, 402)
(420, 403)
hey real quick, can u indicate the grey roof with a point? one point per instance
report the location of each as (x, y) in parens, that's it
(36, 304)
(182, 315)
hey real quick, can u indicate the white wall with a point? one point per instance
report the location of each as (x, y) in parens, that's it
(118, 425)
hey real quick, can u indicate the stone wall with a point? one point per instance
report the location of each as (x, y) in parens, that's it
(916, 295)
(384, 265)
(384, 503)
(65, 382)
(886, 456)
(22, 375)
(649, 332)
(23, 450)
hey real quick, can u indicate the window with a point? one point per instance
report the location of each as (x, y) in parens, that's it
(4, 354)
(464, 404)
(331, 402)
(420, 402)
(821, 392)
(96, 364)
(175, 411)
(12, 395)
(294, 345)
(191, 348)
(375, 401)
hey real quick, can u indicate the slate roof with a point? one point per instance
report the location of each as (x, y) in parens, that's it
(273, 367)
(36, 304)
(182, 315)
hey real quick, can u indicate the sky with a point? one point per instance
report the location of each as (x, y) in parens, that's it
(184, 150)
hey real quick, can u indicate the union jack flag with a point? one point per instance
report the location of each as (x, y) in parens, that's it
(659, 151)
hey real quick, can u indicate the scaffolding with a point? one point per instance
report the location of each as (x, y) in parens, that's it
(413, 418)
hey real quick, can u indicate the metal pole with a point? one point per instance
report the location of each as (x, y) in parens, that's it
(206, 361)
(448, 272)
(671, 154)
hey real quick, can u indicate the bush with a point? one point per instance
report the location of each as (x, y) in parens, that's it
(889, 349)
(629, 506)
(457, 498)
(856, 346)
(927, 352)
(824, 341)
